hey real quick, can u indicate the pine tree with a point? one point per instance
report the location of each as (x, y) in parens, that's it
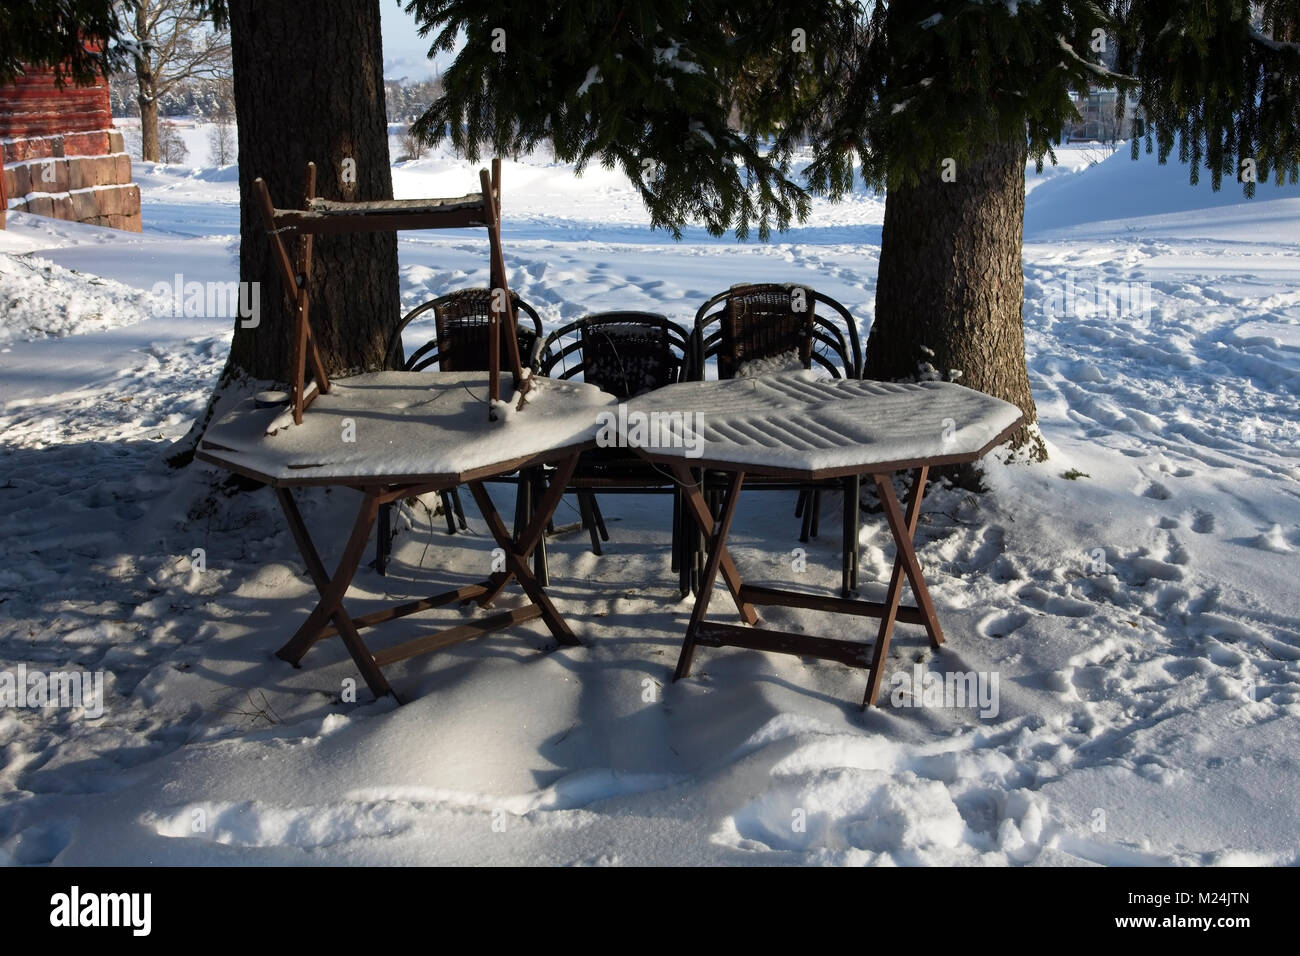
(939, 101)
(78, 39)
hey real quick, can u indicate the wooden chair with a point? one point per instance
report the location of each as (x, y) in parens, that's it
(749, 330)
(625, 354)
(460, 344)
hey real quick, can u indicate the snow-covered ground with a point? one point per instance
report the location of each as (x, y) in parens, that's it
(1135, 596)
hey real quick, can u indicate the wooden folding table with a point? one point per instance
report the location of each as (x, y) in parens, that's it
(391, 435)
(802, 427)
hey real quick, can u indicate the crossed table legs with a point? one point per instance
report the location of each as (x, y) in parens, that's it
(715, 634)
(329, 617)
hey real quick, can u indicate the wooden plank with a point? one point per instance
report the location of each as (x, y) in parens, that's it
(822, 602)
(370, 207)
(299, 359)
(496, 280)
(467, 593)
(313, 353)
(278, 250)
(495, 250)
(712, 634)
(305, 222)
(455, 635)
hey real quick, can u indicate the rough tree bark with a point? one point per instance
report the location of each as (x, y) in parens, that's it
(148, 96)
(951, 287)
(308, 86)
(308, 79)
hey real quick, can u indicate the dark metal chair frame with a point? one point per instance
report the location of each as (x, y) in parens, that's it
(757, 321)
(625, 353)
(460, 344)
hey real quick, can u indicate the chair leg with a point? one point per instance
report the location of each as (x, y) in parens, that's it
(849, 534)
(383, 539)
(448, 511)
(677, 520)
(523, 504)
(589, 521)
(541, 487)
(536, 488)
(855, 505)
(460, 510)
(694, 543)
(816, 510)
(600, 518)
(801, 502)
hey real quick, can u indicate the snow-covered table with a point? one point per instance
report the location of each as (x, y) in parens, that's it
(804, 427)
(391, 435)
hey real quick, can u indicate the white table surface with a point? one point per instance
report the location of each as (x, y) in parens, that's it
(803, 425)
(406, 426)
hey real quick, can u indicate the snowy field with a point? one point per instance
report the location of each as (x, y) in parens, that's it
(1136, 596)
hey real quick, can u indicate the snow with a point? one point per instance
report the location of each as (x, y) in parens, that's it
(417, 425)
(1135, 596)
(801, 423)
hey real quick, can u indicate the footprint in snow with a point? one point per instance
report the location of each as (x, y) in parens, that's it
(1157, 491)
(1002, 623)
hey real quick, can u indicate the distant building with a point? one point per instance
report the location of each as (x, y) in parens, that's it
(1098, 123)
(61, 155)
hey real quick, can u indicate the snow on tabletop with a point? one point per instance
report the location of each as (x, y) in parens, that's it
(802, 422)
(406, 424)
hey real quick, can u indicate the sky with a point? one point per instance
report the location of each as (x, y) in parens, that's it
(405, 52)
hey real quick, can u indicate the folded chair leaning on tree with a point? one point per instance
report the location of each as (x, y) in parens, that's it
(625, 354)
(460, 344)
(764, 329)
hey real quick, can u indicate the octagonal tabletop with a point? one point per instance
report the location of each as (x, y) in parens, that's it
(799, 425)
(404, 428)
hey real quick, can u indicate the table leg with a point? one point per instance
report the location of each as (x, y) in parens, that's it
(903, 528)
(717, 556)
(703, 519)
(532, 536)
(518, 553)
(330, 607)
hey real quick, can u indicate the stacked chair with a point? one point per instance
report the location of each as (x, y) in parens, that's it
(460, 344)
(763, 329)
(625, 354)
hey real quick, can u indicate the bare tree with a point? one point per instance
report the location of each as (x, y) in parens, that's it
(171, 147)
(410, 146)
(221, 138)
(221, 142)
(172, 42)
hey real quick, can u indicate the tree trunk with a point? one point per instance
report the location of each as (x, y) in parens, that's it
(148, 124)
(308, 79)
(148, 96)
(951, 287)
